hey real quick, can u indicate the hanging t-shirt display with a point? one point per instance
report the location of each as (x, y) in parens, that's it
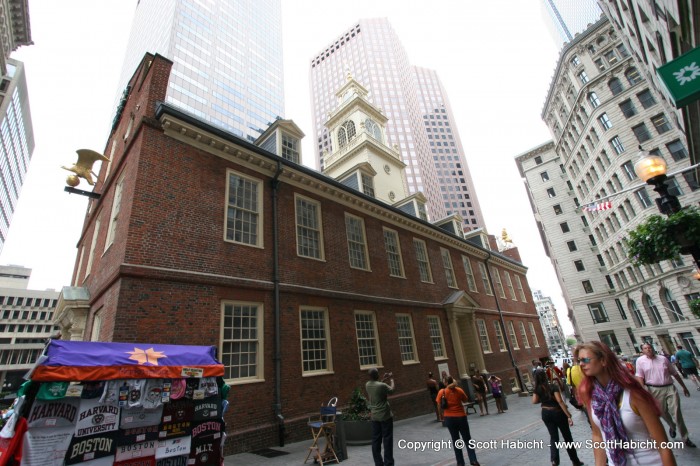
(84, 449)
(207, 409)
(150, 461)
(138, 434)
(136, 450)
(173, 461)
(94, 418)
(206, 443)
(46, 446)
(173, 447)
(140, 417)
(54, 413)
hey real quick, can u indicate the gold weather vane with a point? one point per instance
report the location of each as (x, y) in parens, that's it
(505, 237)
(83, 167)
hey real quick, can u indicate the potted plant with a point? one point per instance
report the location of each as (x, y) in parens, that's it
(356, 420)
(662, 238)
(695, 307)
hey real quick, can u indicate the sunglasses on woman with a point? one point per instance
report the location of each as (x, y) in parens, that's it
(585, 360)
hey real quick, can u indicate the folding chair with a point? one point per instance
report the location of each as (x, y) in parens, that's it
(323, 427)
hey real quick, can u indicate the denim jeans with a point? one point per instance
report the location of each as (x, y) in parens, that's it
(383, 433)
(458, 425)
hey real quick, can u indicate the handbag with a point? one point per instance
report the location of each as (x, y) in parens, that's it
(443, 401)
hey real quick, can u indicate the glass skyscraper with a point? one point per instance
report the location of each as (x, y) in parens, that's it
(227, 58)
(16, 141)
(420, 123)
(566, 18)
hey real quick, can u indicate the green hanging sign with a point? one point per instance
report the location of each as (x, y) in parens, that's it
(681, 77)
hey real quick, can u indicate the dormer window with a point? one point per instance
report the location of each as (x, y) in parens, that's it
(373, 129)
(290, 148)
(367, 185)
(346, 132)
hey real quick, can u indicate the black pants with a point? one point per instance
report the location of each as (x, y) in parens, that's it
(459, 426)
(383, 435)
(556, 420)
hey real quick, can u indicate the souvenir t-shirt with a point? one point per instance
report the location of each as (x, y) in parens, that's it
(206, 443)
(207, 409)
(82, 449)
(12, 447)
(92, 389)
(94, 418)
(46, 447)
(173, 447)
(192, 389)
(55, 413)
(208, 386)
(153, 394)
(132, 435)
(140, 417)
(136, 392)
(173, 461)
(149, 461)
(177, 388)
(110, 393)
(52, 390)
(136, 450)
(177, 419)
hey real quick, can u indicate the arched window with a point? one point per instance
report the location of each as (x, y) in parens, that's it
(636, 314)
(615, 86)
(342, 136)
(633, 76)
(593, 99)
(346, 132)
(373, 129)
(652, 310)
(672, 307)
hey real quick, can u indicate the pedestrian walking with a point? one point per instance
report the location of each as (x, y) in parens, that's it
(655, 372)
(689, 365)
(382, 417)
(456, 420)
(556, 417)
(497, 392)
(621, 411)
(433, 389)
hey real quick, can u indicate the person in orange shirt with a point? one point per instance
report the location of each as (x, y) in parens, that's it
(455, 419)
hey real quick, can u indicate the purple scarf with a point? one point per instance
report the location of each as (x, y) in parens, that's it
(604, 405)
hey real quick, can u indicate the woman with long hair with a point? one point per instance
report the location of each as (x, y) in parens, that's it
(480, 392)
(555, 416)
(621, 410)
(455, 419)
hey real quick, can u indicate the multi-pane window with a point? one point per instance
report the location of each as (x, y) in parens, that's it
(643, 198)
(423, 263)
(497, 282)
(485, 279)
(243, 219)
(661, 123)
(535, 340)
(357, 246)
(519, 286)
(575, 61)
(628, 169)
(571, 245)
(241, 340)
(564, 227)
(646, 98)
(617, 145)
(611, 57)
(677, 150)
(367, 340)
(471, 283)
(483, 336)
(587, 287)
(628, 108)
(290, 148)
(393, 253)
(509, 285)
(447, 265)
(593, 99)
(436, 339)
(499, 335)
(309, 233)
(315, 341)
(114, 216)
(615, 86)
(367, 184)
(641, 132)
(583, 77)
(633, 76)
(93, 244)
(598, 313)
(523, 335)
(511, 333)
(346, 132)
(373, 129)
(674, 189)
(604, 121)
(407, 344)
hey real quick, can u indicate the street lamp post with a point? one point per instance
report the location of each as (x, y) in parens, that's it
(652, 170)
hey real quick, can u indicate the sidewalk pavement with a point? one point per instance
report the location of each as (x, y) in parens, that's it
(521, 423)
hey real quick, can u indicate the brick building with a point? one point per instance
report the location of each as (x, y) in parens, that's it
(302, 282)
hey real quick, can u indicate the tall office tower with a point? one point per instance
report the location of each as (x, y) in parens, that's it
(587, 197)
(16, 140)
(455, 181)
(372, 52)
(566, 18)
(227, 59)
(553, 334)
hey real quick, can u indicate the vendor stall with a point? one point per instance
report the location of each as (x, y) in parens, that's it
(124, 404)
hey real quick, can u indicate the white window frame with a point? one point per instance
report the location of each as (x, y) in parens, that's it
(96, 325)
(447, 265)
(426, 275)
(523, 333)
(290, 147)
(356, 236)
(93, 244)
(509, 284)
(483, 336)
(485, 279)
(257, 342)
(498, 283)
(535, 340)
(436, 338)
(255, 212)
(519, 286)
(392, 245)
(513, 336)
(370, 318)
(499, 336)
(320, 344)
(309, 229)
(406, 339)
(114, 214)
(471, 282)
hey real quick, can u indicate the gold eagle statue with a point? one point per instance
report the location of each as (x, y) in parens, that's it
(506, 237)
(83, 167)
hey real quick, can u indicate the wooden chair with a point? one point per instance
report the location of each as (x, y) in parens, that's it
(323, 428)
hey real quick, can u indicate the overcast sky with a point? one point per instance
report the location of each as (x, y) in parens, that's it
(495, 60)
